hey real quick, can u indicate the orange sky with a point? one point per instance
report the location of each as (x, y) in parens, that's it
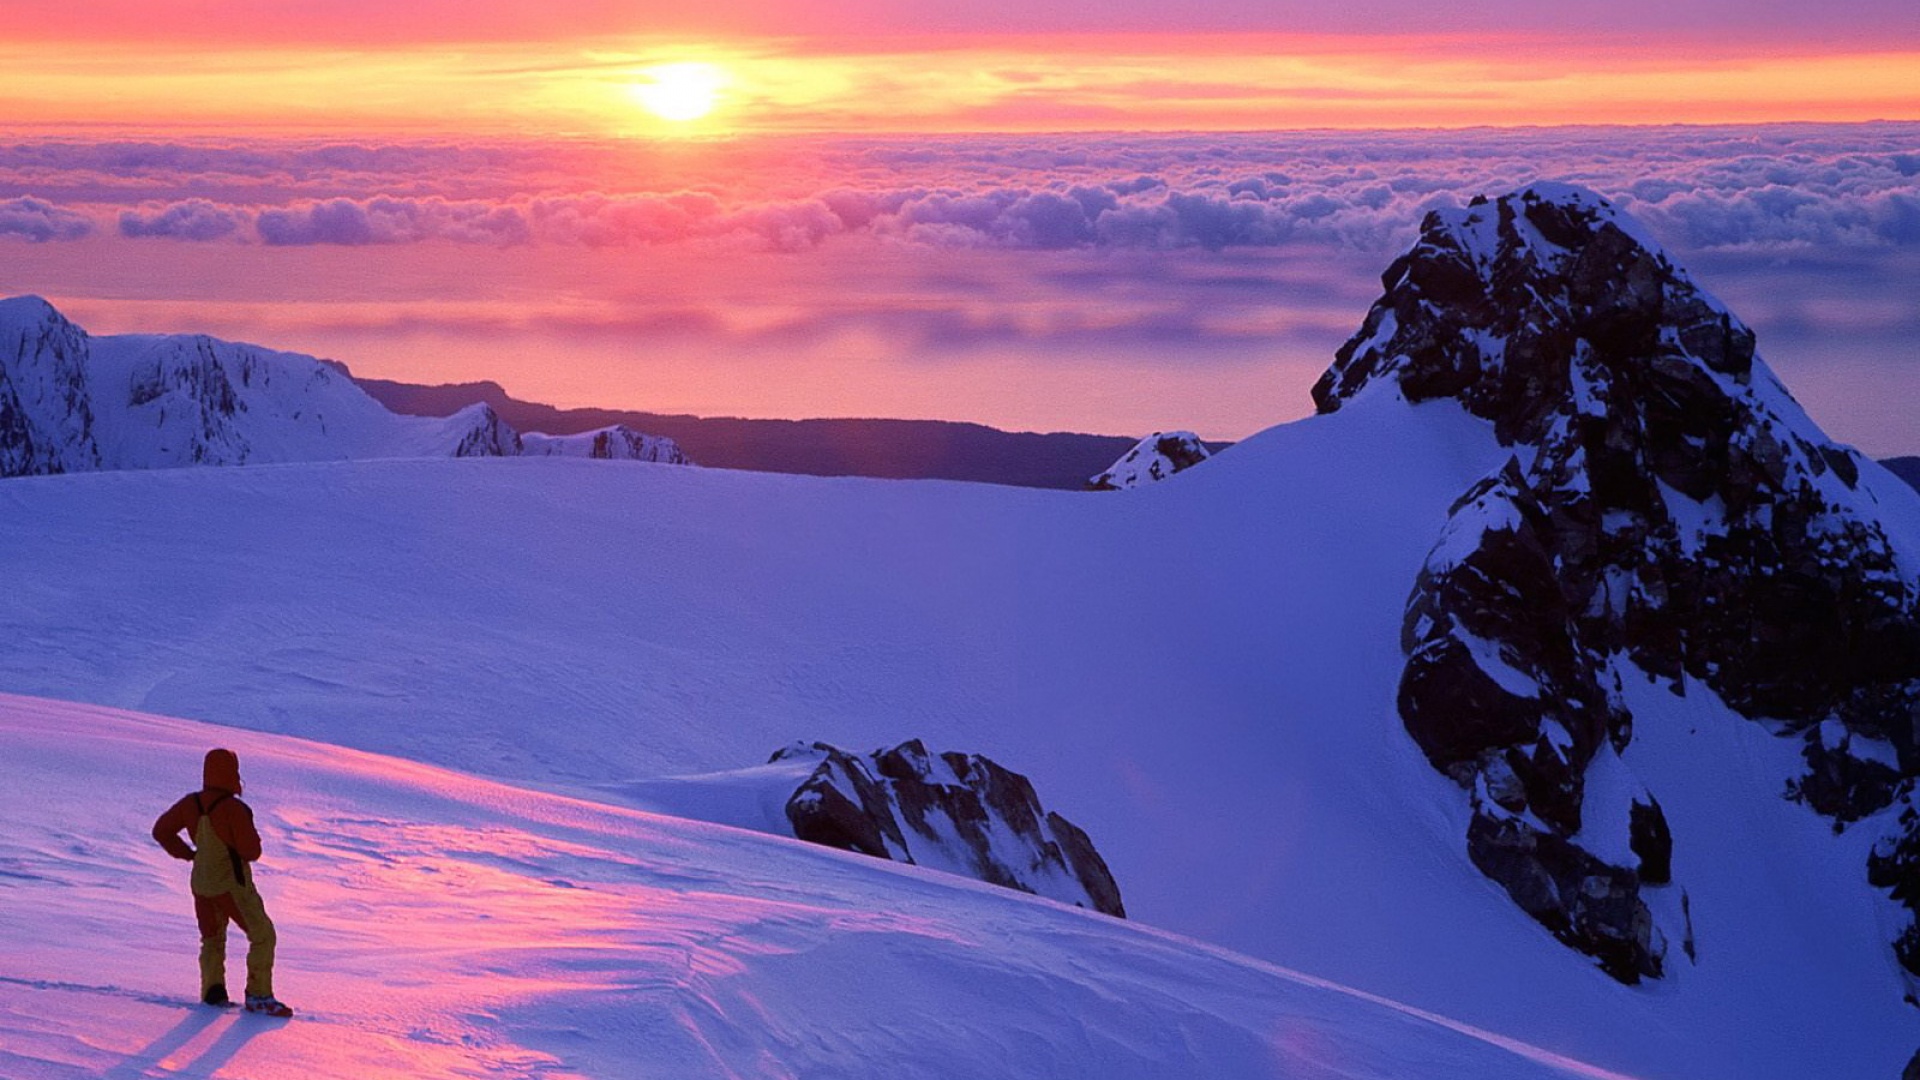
(1028, 82)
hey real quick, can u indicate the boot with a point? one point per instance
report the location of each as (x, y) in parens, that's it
(267, 1006)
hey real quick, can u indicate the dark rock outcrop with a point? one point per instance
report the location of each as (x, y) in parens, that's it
(1667, 507)
(1156, 457)
(958, 812)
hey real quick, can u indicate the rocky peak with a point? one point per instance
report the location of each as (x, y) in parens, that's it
(1156, 457)
(46, 421)
(1667, 508)
(483, 434)
(1489, 306)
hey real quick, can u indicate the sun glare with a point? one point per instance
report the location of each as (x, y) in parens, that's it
(679, 93)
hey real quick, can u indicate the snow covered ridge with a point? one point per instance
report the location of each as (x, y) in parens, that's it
(958, 812)
(1667, 508)
(1156, 457)
(618, 442)
(70, 402)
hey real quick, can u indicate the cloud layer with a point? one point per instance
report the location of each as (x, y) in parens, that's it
(1110, 284)
(1700, 189)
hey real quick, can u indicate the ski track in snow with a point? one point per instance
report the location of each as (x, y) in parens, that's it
(435, 924)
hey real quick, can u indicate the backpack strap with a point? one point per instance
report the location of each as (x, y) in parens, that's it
(239, 865)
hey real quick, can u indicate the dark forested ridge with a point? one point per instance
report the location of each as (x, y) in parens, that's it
(891, 449)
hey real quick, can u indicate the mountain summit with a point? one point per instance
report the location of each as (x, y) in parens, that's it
(1667, 511)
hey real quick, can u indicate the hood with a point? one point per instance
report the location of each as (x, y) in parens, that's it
(222, 770)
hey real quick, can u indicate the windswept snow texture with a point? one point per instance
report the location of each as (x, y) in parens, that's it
(434, 924)
(1156, 457)
(1201, 674)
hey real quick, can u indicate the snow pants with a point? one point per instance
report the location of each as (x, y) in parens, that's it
(243, 907)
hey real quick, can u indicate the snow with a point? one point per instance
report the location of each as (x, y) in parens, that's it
(1493, 510)
(1768, 896)
(1606, 811)
(1491, 658)
(752, 798)
(1835, 737)
(435, 924)
(289, 407)
(1201, 675)
(1693, 521)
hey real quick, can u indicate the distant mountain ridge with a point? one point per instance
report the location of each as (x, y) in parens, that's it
(888, 449)
(73, 402)
(1906, 468)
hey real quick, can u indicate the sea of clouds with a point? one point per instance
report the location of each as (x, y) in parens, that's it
(1097, 282)
(1773, 187)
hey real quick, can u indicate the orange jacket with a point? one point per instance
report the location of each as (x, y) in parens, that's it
(232, 819)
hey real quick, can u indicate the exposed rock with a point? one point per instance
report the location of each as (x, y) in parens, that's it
(1652, 840)
(957, 812)
(46, 420)
(1668, 505)
(1156, 457)
(180, 404)
(483, 434)
(1583, 901)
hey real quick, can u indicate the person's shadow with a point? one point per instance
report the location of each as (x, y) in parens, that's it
(239, 1032)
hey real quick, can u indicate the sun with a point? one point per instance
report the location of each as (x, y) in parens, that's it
(680, 93)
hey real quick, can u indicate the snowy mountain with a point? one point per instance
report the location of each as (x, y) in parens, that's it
(1156, 457)
(1233, 726)
(435, 924)
(1668, 511)
(70, 402)
(46, 424)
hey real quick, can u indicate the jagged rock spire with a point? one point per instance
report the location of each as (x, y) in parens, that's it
(1667, 507)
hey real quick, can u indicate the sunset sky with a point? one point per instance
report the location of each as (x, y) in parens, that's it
(1102, 216)
(512, 66)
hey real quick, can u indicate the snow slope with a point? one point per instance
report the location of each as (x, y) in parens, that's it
(1201, 675)
(434, 924)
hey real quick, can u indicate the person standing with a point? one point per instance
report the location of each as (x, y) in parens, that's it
(225, 844)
